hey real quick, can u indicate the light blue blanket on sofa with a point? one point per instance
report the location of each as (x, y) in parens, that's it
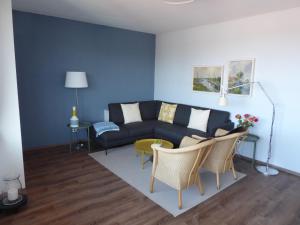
(102, 127)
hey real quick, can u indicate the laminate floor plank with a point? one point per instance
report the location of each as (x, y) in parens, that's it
(73, 189)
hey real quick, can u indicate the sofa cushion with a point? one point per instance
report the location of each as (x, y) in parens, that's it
(190, 132)
(167, 112)
(218, 119)
(182, 115)
(131, 113)
(170, 132)
(115, 113)
(199, 119)
(148, 110)
(139, 129)
(123, 133)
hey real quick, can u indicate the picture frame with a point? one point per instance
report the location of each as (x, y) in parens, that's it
(240, 72)
(208, 78)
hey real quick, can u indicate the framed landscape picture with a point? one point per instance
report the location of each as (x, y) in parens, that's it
(207, 78)
(240, 72)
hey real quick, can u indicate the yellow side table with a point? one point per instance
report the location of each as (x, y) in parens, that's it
(143, 147)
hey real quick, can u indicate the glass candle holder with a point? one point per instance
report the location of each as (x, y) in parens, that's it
(12, 191)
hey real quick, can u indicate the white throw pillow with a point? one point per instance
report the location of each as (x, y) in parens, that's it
(199, 119)
(131, 113)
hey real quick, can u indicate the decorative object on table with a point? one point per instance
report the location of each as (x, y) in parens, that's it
(266, 170)
(76, 80)
(74, 121)
(207, 78)
(246, 120)
(74, 135)
(143, 147)
(12, 192)
(240, 72)
(102, 127)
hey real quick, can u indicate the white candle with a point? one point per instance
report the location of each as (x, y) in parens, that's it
(12, 194)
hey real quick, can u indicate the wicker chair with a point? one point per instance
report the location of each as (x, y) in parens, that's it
(179, 168)
(221, 157)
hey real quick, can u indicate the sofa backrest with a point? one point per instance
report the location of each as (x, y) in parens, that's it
(217, 118)
(147, 109)
(150, 111)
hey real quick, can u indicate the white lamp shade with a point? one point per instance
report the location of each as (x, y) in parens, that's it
(76, 80)
(223, 101)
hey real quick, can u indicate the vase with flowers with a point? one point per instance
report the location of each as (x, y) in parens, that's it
(245, 121)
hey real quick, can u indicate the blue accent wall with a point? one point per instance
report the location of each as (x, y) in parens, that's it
(119, 65)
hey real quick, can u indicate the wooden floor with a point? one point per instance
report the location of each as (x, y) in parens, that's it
(66, 188)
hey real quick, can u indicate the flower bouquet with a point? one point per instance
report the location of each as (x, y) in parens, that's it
(246, 120)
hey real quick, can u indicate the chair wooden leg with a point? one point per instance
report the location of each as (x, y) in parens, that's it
(233, 171)
(218, 180)
(200, 185)
(179, 199)
(152, 184)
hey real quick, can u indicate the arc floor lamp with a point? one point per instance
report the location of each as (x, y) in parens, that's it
(266, 170)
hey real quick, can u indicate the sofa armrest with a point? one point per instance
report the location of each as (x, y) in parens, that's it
(227, 126)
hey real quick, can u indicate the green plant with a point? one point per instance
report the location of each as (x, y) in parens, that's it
(246, 120)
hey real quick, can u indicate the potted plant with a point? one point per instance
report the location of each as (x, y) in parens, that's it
(246, 120)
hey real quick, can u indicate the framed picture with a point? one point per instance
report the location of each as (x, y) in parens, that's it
(240, 72)
(207, 78)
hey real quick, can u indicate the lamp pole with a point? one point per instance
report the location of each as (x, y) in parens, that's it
(75, 79)
(77, 101)
(266, 170)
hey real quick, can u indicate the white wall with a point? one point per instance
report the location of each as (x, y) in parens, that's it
(274, 41)
(11, 158)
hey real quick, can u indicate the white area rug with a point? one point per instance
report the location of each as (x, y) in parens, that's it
(124, 163)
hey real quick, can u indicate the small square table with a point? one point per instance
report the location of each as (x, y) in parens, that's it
(75, 130)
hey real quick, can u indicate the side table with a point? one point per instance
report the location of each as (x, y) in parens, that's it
(75, 130)
(253, 139)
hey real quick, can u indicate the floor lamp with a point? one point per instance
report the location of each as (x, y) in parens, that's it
(266, 170)
(76, 80)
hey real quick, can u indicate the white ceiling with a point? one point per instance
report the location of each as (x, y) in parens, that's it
(152, 16)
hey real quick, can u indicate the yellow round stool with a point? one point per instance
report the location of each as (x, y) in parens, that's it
(143, 147)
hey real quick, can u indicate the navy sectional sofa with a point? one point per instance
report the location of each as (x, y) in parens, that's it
(150, 127)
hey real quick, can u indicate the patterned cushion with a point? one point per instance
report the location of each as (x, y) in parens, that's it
(167, 112)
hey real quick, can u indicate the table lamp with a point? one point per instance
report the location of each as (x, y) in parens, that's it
(76, 80)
